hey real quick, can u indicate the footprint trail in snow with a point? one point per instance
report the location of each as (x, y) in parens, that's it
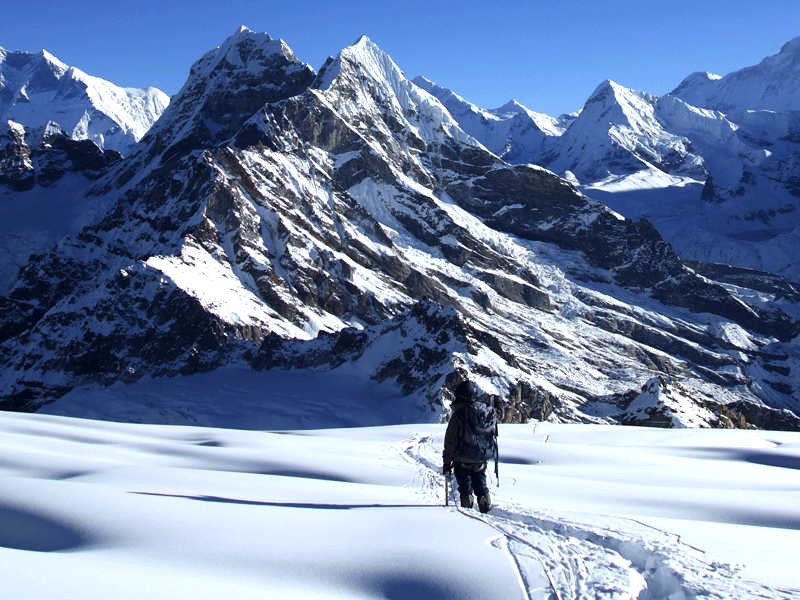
(570, 556)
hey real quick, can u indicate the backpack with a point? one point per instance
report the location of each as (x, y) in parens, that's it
(479, 443)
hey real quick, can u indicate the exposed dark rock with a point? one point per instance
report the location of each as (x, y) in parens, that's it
(708, 194)
(763, 417)
(22, 167)
(225, 88)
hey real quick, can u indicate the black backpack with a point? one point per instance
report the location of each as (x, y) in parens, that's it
(479, 443)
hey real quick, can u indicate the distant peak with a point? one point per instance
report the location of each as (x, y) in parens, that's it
(512, 106)
(603, 91)
(691, 83)
(617, 91)
(792, 46)
(605, 85)
(365, 46)
(47, 56)
(365, 49)
(245, 49)
(365, 56)
(243, 33)
(703, 76)
(52, 60)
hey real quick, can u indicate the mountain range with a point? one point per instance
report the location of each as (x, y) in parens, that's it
(713, 164)
(276, 216)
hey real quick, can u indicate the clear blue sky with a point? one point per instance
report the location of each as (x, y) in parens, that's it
(548, 55)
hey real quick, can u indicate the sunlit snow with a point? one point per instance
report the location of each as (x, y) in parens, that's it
(100, 509)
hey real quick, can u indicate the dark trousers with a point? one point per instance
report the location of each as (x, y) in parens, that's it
(471, 478)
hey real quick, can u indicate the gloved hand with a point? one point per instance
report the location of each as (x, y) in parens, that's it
(446, 469)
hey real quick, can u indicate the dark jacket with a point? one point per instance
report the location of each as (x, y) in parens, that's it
(455, 433)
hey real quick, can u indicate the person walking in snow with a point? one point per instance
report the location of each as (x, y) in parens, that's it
(469, 441)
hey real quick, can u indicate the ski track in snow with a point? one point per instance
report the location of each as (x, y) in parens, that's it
(561, 558)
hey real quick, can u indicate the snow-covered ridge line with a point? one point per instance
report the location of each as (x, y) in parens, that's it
(364, 63)
(751, 88)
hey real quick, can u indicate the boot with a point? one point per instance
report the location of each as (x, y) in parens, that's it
(485, 503)
(467, 500)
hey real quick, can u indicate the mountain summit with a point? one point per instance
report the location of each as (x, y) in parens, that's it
(364, 79)
(512, 132)
(713, 165)
(60, 129)
(226, 87)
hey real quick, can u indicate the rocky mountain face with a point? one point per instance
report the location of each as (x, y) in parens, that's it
(52, 155)
(283, 218)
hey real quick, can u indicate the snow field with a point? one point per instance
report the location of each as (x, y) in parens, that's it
(98, 509)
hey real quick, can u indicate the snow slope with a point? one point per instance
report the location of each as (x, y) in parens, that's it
(100, 509)
(32, 222)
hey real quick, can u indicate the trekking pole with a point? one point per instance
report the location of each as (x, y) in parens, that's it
(446, 491)
(496, 455)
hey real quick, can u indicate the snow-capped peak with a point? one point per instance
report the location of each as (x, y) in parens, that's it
(689, 85)
(790, 51)
(225, 88)
(367, 57)
(512, 132)
(39, 88)
(751, 88)
(56, 64)
(241, 49)
(609, 92)
(379, 85)
(613, 103)
(620, 132)
(512, 107)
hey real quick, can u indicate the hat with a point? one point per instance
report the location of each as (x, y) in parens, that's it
(463, 392)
